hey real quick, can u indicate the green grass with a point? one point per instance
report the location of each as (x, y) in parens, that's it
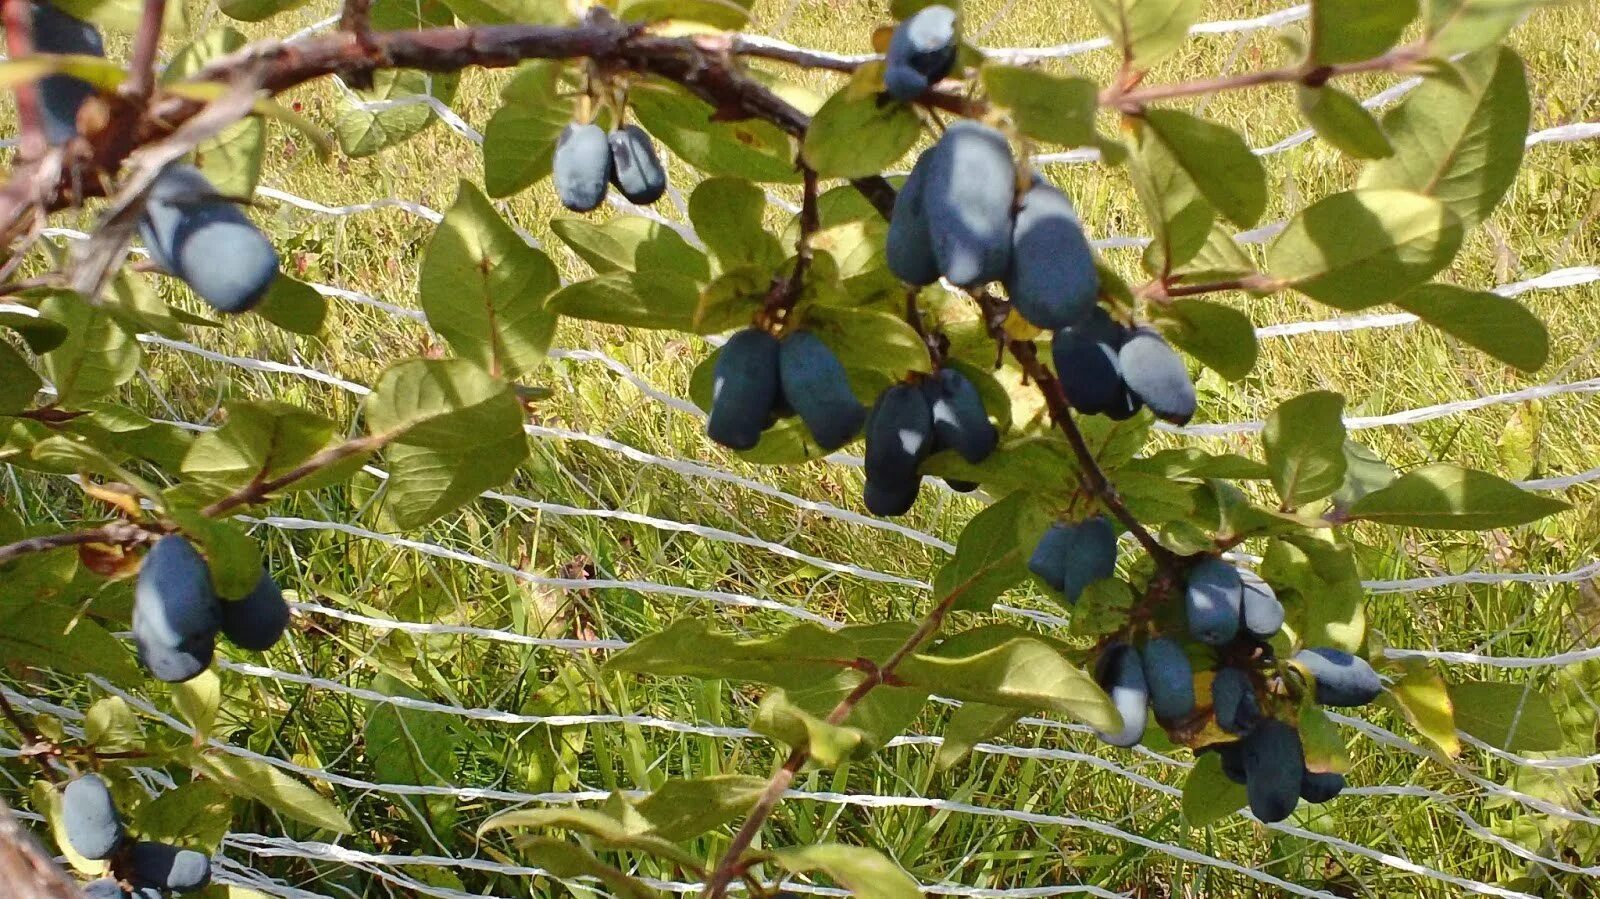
(1545, 223)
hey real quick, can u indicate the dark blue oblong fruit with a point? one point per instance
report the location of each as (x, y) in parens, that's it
(1340, 679)
(1319, 788)
(899, 437)
(1211, 601)
(176, 611)
(636, 170)
(1070, 557)
(90, 814)
(1170, 677)
(60, 95)
(1233, 701)
(816, 387)
(960, 486)
(104, 888)
(256, 621)
(204, 239)
(959, 419)
(1274, 762)
(1087, 361)
(923, 46)
(1155, 373)
(744, 389)
(967, 200)
(1232, 756)
(904, 83)
(167, 867)
(908, 248)
(1259, 609)
(1121, 674)
(1052, 281)
(581, 167)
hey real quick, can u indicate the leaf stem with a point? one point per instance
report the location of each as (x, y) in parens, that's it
(146, 42)
(1132, 100)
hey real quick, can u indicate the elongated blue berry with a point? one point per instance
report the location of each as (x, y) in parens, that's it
(1121, 674)
(636, 170)
(1212, 599)
(744, 389)
(204, 239)
(967, 199)
(959, 419)
(899, 436)
(1233, 701)
(1052, 281)
(581, 167)
(816, 387)
(1274, 763)
(90, 817)
(1170, 677)
(1154, 372)
(1341, 679)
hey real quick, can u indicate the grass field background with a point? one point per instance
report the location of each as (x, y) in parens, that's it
(1545, 223)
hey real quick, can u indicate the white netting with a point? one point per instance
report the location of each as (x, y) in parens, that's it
(1468, 791)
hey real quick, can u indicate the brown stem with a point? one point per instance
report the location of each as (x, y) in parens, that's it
(146, 41)
(1161, 289)
(1132, 100)
(18, 16)
(785, 290)
(22, 725)
(729, 865)
(259, 490)
(122, 533)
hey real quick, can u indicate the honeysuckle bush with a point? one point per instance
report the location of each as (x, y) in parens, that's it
(963, 308)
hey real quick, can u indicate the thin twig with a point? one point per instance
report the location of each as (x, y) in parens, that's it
(1161, 289)
(146, 42)
(785, 290)
(1132, 100)
(120, 533)
(259, 490)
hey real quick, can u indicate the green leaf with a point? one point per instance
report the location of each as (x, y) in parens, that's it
(1461, 142)
(363, 131)
(1324, 747)
(1304, 441)
(257, 10)
(747, 149)
(1364, 472)
(1500, 326)
(195, 815)
(632, 243)
(97, 357)
(426, 483)
(571, 861)
(483, 288)
(724, 14)
(1359, 248)
(996, 667)
(728, 214)
(1146, 30)
(829, 745)
(864, 872)
(1424, 699)
(652, 300)
(267, 785)
(197, 700)
(110, 725)
(232, 160)
(1101, 609)
(40, 334)
(1180, 218)
(408, 746)
(123, 15)
(606, 829)
(447, 404)
(1193, 462)
(54, 637)
(1353, 30)
(1044, 106)
(853, 135)
(520, 140)
(869, 339)
(971, 724)
(990, 556)
(1219, 258)
(1219, 336)
(294, 306)
(885, 712)
(1342, 121)
(1208, 794)
(1459, 26)
(257, 441)
(1446, 497)
(1513, 717)
(1321, 569)
(1223, 167)
(19, 384)
(689, 648)
(684, 809)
